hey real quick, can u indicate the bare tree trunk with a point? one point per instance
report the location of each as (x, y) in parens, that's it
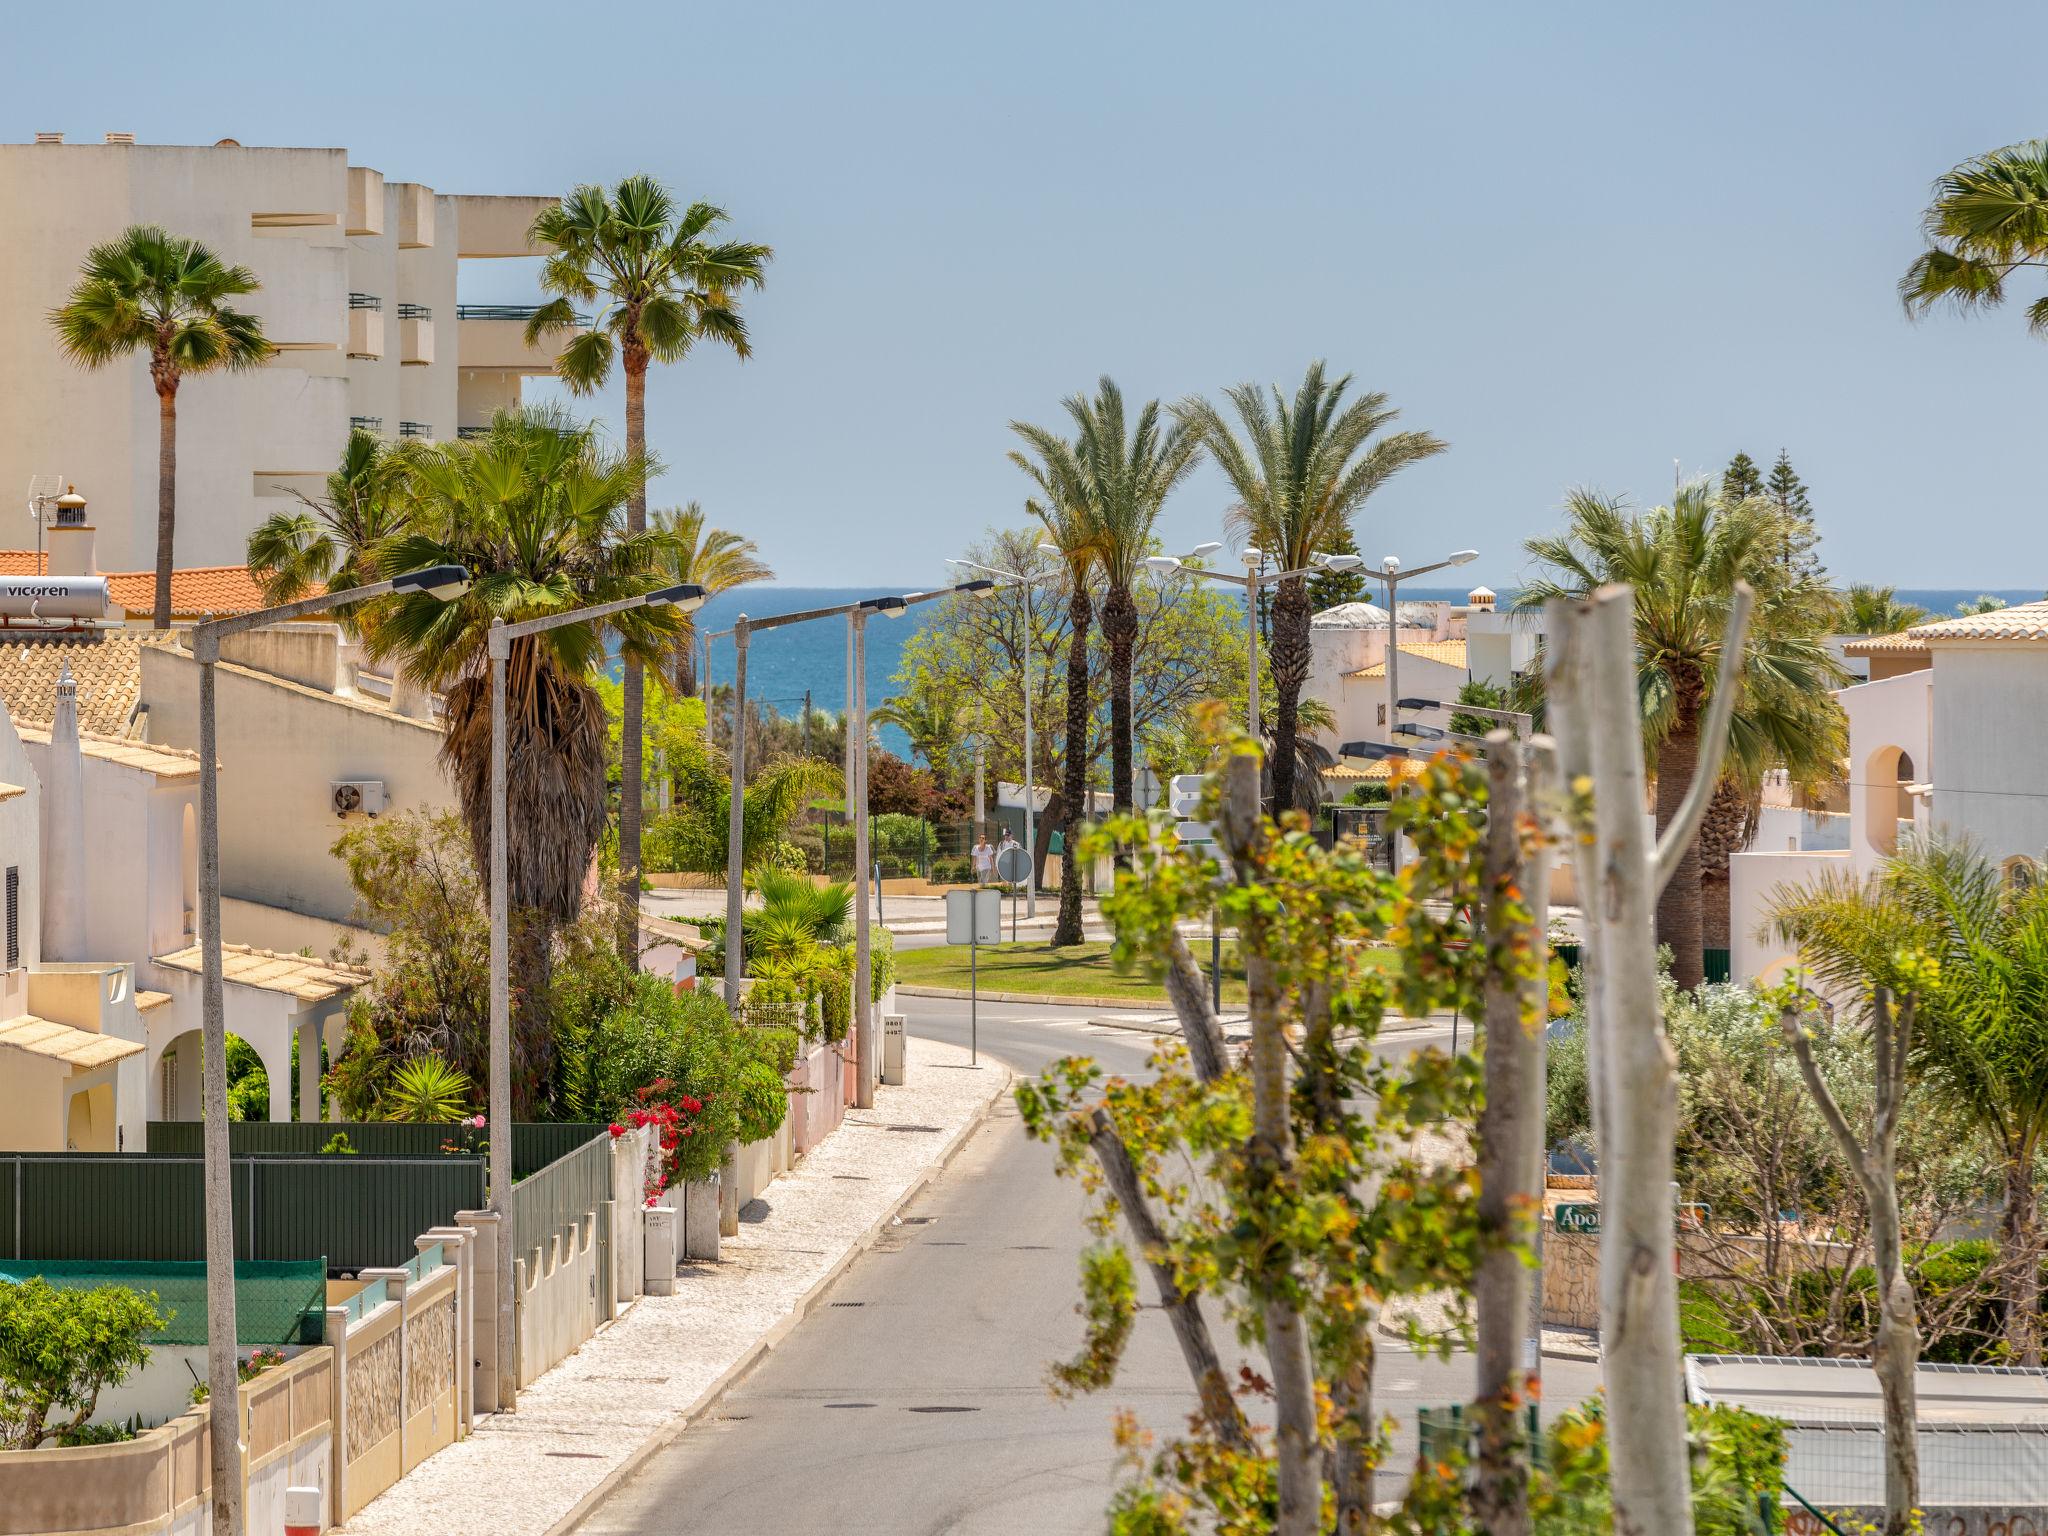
(1510, 1154)
(2021, 1240)
(1897, 1348)
(166, 501)
(1074, 769)
(632, 688)
(1289, 657)
(1183, 1309)
(1188, 990)
(1678, 908)
(1270, 1154)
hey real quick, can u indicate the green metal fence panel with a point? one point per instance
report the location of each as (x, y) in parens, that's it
(562, 1193)
(1714, 964)
(276, 1302)
(357, 1211)
(535, 1144)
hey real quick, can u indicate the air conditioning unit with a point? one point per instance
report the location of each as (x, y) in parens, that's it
(354, 797)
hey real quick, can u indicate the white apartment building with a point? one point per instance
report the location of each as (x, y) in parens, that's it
(359, 280)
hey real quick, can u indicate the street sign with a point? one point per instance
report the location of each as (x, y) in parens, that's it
(1583, 1219)
(1186, 798)
(1013, 865)
(1194, 832)
(974, 917)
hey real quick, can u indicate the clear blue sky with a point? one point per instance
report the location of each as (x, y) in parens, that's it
(1579, 242)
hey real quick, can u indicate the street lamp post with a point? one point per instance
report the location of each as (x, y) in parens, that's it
(499, 647)
(1391, 573)
(1030, 745)
(223, 1381)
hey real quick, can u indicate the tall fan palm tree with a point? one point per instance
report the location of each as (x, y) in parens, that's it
(1988, 220)
(1063, 506)
(666, 284)
(1867, 610)
(333, 540)
(1981, 1036)
(1123, 477)
(713, 559)
(155, 292)
(1301, 472)
(1684, 562)
(536, 511)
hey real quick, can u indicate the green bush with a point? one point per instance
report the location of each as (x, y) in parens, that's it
(779, 1048)
(763, 1099)
(881, 963)
(835, 994)
(60, 1348)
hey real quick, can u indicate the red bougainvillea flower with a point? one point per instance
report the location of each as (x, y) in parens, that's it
(616, 1129)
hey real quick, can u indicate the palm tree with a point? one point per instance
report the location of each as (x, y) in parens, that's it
(1981, 1035)
(1069, 518)
(156, 292)
(713, 559)
(929, 714)
(1684, 562)
(333, 541)
(1124, 479)
(1984, 224)
(535, 510)
(1301, 473)
(1868, 610)
(667, 285)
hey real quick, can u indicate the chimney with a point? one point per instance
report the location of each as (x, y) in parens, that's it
(1480, 597)
(46, 137)
(64, 868)
(120, 138)
(71, 537)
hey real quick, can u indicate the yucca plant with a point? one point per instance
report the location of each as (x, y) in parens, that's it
(427, 1091)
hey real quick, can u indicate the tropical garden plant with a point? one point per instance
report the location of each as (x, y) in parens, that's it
(167, 296)
(427, 1091)
(1869, 610)
(60, 1348)
(1302, 470)
(1684, 563)
(332, 541)
(534, 510)
(708, 557)
(1982, 226)
(666, 283)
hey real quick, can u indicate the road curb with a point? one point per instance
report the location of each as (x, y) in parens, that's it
(962, 994)
(672, 1431)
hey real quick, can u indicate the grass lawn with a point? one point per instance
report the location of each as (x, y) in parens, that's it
(1079, 970)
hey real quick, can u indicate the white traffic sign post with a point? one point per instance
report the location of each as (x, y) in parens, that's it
(1185, 800)
(974, 918)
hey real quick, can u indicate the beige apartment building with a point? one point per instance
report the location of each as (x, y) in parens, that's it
(359, 282)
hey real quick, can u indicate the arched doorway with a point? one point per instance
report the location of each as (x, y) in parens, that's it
(176, 1092)
(1886, 803)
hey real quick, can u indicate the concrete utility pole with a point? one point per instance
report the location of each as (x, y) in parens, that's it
(863, 957)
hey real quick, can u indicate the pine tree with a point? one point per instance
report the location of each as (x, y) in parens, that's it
(1741, 479)
(1327, 589)
(1788, 493)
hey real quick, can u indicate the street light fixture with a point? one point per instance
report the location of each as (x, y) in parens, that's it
(223, 1382)
(1030, 742)
(1391, 573)
(687, 597)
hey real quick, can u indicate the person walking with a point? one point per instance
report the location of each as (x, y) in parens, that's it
(999, 862)
(984, 862)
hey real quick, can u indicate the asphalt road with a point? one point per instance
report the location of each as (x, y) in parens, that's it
(915, 1399)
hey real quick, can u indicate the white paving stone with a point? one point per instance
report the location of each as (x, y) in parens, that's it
(518, 1474)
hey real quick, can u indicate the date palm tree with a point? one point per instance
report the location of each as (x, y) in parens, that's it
(1986, 222)
(1684, 562)
(155, 292)
(535, 510)
(666, 285)
(1302, 471)
(713, 559)
(1981, 1036)
(1063, 506)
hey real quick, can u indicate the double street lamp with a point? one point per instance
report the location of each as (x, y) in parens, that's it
(223, 1381)
(685, 597)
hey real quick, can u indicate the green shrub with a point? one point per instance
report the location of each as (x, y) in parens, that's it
(881, 963)
(835, 994)
(779, 1048)
(763, 1100)
(60, 1348)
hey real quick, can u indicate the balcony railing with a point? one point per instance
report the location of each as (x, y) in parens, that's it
(520, 312)
(415, 312)
(469, 432)
(415, 429)
(366, 423)
(365, 301)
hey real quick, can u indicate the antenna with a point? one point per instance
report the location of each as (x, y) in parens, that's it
(42, 490)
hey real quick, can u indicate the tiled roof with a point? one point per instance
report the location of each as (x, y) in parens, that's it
(2022, 621)
(1349, 773)
(1450, 652)
(310, 981)
(195, 592)
(1884, 645)
(65, 1042)
(105, 664)
(149, 1002)
(164, 762)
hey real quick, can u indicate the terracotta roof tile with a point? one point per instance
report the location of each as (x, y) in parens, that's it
(1450, 652)
(196, 592)
(65, 1042)
(105, 664)
(2022, 621)
(1884, 645)
(310, 981)
(164, 762)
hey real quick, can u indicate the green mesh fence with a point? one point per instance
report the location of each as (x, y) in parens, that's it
(276, 1301)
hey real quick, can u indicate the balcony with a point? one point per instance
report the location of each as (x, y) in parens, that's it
(365, 325)
(493, 336)
(415, 335)
(415, 429)
(366, 423)
(415, 215)
(365, 201)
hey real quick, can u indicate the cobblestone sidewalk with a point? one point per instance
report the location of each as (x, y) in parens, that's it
(520, 1474)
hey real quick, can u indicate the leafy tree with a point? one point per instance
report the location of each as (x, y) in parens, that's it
(1983, 225)
(1302, 471)
(1684, 562)
(60, 1348)
(666, 283)
(1483, 695)
(534, 511)
(1799, 540)
(155, 292)
(1331, 589)
(1868, 610)
(1741, 479)
(1940, 921)
(713, 559)
(696, 834)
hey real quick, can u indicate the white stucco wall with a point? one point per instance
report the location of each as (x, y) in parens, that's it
(1886, 717)
(1754, 880)
(1990, 702)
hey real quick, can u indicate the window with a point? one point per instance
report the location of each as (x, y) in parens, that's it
(13, 916)
(169, 1103)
